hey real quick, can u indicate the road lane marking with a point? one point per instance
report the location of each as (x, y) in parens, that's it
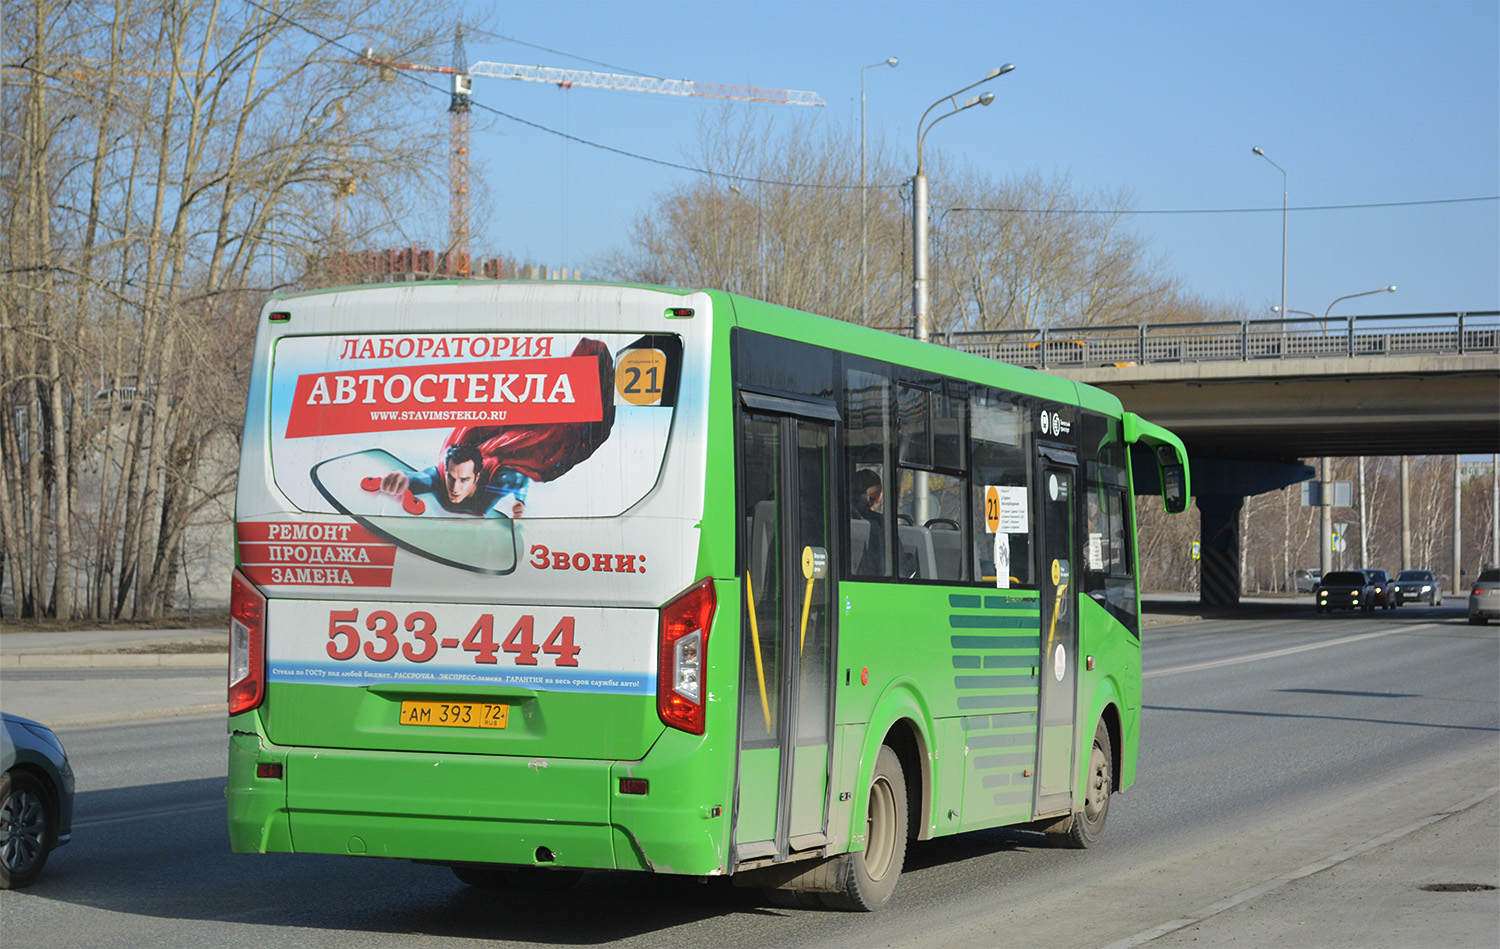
(1274, 653)
(151, 812)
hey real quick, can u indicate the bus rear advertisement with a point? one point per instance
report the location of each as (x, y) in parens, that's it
(542, 578)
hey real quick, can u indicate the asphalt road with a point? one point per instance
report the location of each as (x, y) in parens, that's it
(1302, 778)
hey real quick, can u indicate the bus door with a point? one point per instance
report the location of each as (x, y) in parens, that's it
(1058, 677)
(786, 712)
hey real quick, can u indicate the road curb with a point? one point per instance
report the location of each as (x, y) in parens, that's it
(44, 661)
(141, 716)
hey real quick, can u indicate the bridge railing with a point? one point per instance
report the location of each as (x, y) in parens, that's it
(1129, 345)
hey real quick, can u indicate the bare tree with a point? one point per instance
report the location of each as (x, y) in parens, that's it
(1031, 252)
(162, 160)
(778, 218)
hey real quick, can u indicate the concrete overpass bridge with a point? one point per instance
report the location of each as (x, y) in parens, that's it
(1252, 399)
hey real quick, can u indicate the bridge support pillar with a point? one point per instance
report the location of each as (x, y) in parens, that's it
(1219, 532)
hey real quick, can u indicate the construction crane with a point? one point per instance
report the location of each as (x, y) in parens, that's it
(567, 78)
(461, 93)
(461, 98)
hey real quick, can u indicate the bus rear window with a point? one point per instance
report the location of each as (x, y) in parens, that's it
(411, 427)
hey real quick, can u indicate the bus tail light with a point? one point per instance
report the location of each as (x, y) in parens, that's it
(683, 640)
(247, 645)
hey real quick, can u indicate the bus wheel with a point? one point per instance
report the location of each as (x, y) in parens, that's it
(1086, 826)
(866, 879)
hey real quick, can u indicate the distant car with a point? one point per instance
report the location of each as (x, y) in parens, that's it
(1484, 597)
(36, 799)
(1344, 590)
(1305, 579)
(1382, 587)
(1414, 585)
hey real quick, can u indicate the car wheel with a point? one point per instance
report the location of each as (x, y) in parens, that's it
(867, 878)
(27, 829)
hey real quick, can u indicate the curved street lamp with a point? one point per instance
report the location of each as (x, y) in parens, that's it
(1350, 296)
(1259, 151)
(1326, 560)
(919, 195)
(864, 316)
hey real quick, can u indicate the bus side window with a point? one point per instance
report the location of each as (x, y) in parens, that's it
(1109, 574)
(1000, 455)
(867, 468)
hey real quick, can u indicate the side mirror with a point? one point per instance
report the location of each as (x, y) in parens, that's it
(1173, 490)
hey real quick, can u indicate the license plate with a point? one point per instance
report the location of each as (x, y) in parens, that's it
(455, 714)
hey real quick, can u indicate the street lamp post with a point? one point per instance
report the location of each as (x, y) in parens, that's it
(919, 196)
(864, 306)
(1327, 486)
(1257, 150)
(1350, 296)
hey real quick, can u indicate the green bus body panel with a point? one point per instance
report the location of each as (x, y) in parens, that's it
(961, 665)
(717, 533)
(1113, 683)
(257, 808)
(485, 808)
(966, 644)
(449, 807)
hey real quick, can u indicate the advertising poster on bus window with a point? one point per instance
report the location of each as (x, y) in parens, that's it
(443, 444)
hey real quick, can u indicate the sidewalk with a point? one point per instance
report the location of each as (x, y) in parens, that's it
(162, 673)
(1431, 884)
(115, 649)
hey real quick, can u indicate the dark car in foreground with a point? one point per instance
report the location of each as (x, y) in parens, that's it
(1484, 597)
(1419, 585)
(1381, 588)
(36, 799)
(1344, 590)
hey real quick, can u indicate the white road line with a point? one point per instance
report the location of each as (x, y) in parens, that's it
(1273, 653)
(150, 812)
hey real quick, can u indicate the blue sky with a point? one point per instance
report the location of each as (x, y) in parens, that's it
(1362, 103)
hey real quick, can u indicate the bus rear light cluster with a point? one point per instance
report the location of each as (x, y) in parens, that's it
(247, 645)
(683, 639)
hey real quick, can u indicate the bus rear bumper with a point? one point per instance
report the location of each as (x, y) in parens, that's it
(456, 809)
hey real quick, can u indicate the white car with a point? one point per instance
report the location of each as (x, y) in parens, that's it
(1305, 579)
(1484, 597)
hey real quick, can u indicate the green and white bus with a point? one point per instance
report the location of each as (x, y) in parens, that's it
(540, 578)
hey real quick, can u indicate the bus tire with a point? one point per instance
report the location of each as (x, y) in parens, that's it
(867, 878)
(1086, 825)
